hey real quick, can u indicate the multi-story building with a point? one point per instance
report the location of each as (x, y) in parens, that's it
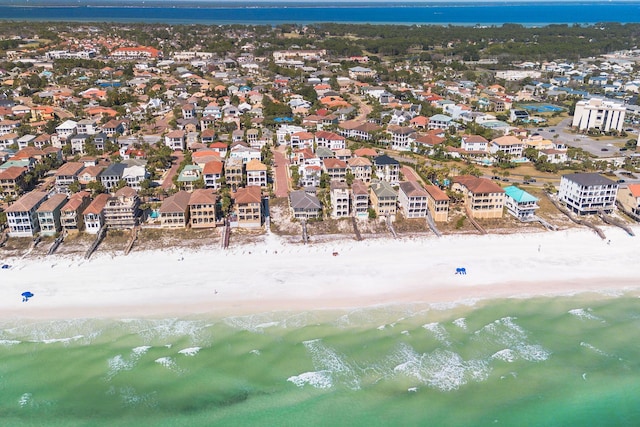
(122, 209)
(22, 216)
(483, 197)
(248, 207)
(587, 193)
(71, 218)
(233, 172)
(111, 176)
(384, 199)
(596, 113)
(202, 208)
(94, 214)
(413, 199)
(304, 205)
(359, 199)
(519, 203)
(387, 169)
(174, 211)
(175, 140)
(629, 199)
(360, 168)
(508, 144)
(336, 169)
(49, 214)
(66, 175)
(340, 198)
(437, 203)
(256, 174)
(12, 180)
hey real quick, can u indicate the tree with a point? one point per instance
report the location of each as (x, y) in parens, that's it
(96, 187)
(349, 177)
(74, 187)
(325, 179)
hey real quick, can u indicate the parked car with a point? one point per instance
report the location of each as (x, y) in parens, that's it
(620, 181)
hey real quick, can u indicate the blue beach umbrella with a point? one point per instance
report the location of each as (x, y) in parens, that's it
(26, 295)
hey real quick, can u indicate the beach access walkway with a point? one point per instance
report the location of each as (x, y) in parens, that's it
(472, 220)
(578, 221)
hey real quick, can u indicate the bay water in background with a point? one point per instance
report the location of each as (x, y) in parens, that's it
(266, 13)
(561, 361)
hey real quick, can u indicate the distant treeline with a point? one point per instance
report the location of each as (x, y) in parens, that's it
(511, 40)
(508, 42)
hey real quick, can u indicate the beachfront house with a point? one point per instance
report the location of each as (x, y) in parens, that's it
(174, 211)
(629, 199)
(123, 209)
(202, 208)
(413, 199)
(71, 218)
(94, 214)
(340, 197)
(248, 207)
(304, 205)
(437, 203)
(519, 203)
(22, 216)
(49, 214)
(384, 198)
(587, 193)
(483, 197)
(359, 199)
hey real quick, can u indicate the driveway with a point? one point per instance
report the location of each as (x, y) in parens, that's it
(168, 179)
(281, 178)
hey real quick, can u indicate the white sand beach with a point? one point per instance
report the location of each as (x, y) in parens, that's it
(269, 275)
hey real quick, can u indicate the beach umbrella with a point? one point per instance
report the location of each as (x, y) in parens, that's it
(27, 295)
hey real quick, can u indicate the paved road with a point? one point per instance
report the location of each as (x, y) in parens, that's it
(364, 108)
(167, 183)
(411, 175)
(281, 175)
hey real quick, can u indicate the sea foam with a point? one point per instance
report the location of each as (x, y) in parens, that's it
(319, 379)
(191, 351)
(326, 359)
(439, 332)
(443, 370)
(505, 332)
(584, 314)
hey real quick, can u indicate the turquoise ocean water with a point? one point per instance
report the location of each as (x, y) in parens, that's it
(564, 361)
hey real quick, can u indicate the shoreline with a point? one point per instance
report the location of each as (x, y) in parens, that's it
(275, 276)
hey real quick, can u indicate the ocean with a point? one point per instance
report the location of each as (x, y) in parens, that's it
(559, 361)
(267, 13)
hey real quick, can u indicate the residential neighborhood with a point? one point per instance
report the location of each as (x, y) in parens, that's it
(102, 135)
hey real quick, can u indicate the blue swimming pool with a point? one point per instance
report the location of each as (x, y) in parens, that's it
(543, 108)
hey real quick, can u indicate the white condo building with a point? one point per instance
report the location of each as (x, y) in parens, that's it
(596, 113)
